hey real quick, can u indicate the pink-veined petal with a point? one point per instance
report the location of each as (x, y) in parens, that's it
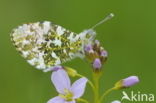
(56, 100)
(78, 87)
(70, 101)
(60, 80)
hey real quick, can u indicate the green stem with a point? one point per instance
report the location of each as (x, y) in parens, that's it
(82, 100)
(96, 78)
(106, 93)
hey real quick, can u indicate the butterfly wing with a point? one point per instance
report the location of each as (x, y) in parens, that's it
(44, 44)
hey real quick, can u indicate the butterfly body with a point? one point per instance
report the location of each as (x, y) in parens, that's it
(44, 44)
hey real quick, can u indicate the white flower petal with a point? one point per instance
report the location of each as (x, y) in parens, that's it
(60, 80)
(56, 100)
(78, 87)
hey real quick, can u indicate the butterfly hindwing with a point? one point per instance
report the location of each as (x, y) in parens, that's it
(44, 44)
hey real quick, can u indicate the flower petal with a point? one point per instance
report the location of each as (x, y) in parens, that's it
(116, 101)
(60, 80)
(70, 102)
(78, 87)
(56, 100)
(130, 81)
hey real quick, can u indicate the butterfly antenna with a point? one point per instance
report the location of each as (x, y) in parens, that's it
(110, 16)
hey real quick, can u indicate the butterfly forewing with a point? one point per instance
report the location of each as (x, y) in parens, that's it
(44, 44)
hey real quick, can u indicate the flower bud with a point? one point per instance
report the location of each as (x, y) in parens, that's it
(104, 53)
(97, 63)
(130, 81)
(103, 56)
(90, 53)
(88, 48)
(71, 72)
(97, 43)
(127, 82)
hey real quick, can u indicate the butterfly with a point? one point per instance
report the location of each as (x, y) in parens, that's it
(45, 44)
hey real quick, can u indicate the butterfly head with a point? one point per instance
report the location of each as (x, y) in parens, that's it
(87, 36)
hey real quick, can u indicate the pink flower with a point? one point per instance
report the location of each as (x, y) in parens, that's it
(97, 63)
(67, 92)
(88, 48)
(130, 81)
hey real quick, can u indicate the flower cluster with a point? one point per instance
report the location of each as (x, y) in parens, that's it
(68, 93)
(96, 54)
(71, 93)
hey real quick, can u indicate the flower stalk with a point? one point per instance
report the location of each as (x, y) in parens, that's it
(82, 100)
(96, 78)
(106, 93)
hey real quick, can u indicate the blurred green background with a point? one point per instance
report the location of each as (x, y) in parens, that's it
(130, 39)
